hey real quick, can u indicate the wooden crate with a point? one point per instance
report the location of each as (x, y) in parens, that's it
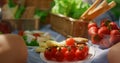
(68, 27)
(24, 24)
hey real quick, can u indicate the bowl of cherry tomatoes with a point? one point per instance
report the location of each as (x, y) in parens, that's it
(105, 35)
(71, 52)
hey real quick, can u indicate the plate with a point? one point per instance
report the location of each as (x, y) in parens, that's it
(89, 58)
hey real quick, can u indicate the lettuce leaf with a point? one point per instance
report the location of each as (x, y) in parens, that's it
(70, 8)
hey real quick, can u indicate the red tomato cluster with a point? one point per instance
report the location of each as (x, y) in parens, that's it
(106, 35)
(70, 52)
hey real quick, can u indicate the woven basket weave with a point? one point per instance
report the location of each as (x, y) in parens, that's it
(24, 24)
(41, 4)
(68, 27)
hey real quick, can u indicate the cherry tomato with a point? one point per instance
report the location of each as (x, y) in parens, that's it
(86, 50)
(70, 42)
(53, 51)
(70, 55)
(36, 35)
(113, 26)
(104, 22)
(48, 55)
(59, 55)
(96, 39)
(92, 25)
(79, 54)
(63, 49)
(92, 31)
(21, 33)
(114, 36)
(74, 48)
(103, 31)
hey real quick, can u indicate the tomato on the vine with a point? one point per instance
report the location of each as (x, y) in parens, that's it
(70, 55)
(113, 26)
(70, 42)
(74, 48)
(36, 35)
(53, 51)
(93, 31)
(79, 54)
(86, 50)
(21, 33)
(48, 54)
(59, 55)
(63, 49)
(103, 31)
(93, 24)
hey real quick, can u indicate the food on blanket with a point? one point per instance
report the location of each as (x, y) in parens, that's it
(69, 55)
(31, 37)
(12, 49)
(70, 42)
(103, 31)
(48, 43)
(96, 39)
(113, 26)
(104, 22)
(114, 36)
(59, 55)
(108, 34)
(93, 30)
(91, 24)
(80, 40)
(73, 49)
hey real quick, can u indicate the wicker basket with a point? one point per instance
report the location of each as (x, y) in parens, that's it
(68, 27)
(41, 4)
(24, 24)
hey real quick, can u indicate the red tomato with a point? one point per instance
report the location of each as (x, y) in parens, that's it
(70, 42)
(114, 36)
(92, 31)
(21, 33)
(79, 54)
(69, 55)
(48, 55)
(36, 35)
(114, 32)
(74, 48)
(53, 51)
(63, 49)
(59, 55)
(113, 26)
(104, 22)
(96, 39)
(86, 49)
(103, 31)
(92, 25)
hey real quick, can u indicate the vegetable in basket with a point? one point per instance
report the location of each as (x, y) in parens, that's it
(40, 14)
(70, 8)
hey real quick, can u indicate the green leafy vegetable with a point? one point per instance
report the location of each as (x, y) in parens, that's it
(40, 14)
(19, 12)
(70, 8)
(32, 43)
(11, 3)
